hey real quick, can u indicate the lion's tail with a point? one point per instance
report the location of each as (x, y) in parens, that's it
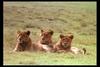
(84, 50)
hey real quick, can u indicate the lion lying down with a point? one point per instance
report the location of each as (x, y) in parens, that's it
(45, 41)
(64, 45)
(24, 42)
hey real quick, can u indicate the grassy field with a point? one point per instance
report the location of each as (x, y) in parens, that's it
(62, 17)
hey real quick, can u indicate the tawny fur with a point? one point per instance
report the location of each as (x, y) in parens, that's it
(24, 42)
(45, 41)
(64, 45)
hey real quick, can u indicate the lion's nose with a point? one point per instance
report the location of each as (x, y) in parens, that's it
(46, 41)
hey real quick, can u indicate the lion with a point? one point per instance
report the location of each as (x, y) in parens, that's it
(64, 45)
(24, 42)
(45, 41)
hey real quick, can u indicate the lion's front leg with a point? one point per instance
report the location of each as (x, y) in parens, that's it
(17, 48)
(61, 51)
(58, 49)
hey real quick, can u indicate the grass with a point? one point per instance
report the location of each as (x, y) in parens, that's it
(76, 17)
(43, 58)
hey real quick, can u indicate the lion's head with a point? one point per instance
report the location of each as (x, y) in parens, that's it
(23, 41)
(65, 41)
(46, 37)
(23, 37)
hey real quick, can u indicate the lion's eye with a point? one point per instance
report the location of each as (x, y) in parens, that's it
(64, 39)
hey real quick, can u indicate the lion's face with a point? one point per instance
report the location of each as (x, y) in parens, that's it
(23, 41)
(46, 36)
(65, 41)
(23, 37)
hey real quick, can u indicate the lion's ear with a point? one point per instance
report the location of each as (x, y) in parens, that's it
(18, 32)
(28, 32)
(71, 36)
(51, 32)
(42, 30)
(61, 36)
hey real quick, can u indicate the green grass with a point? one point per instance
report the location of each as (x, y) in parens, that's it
(49, 58)
(76, 17)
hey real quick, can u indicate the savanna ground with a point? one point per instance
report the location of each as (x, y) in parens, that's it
(76, 17)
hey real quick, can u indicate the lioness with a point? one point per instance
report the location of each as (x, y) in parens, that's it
(23, 41)
(45, 41)
(64, 45)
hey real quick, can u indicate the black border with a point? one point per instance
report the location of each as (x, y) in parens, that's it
(98, 32)
(1, 23)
